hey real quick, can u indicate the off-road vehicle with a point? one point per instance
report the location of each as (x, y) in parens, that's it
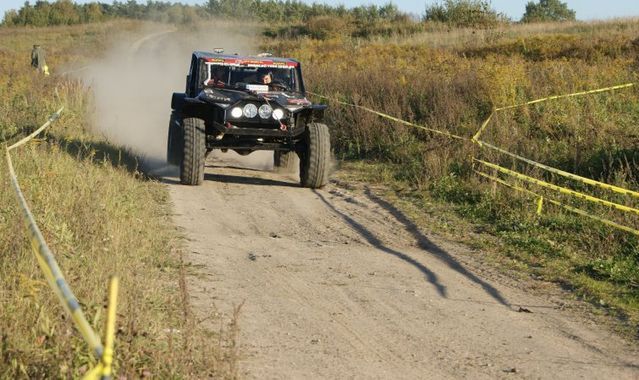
(247, 104)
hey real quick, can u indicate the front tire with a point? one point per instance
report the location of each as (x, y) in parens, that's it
(193, 157)
(316, 156)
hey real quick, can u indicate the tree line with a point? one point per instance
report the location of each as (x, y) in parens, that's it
(464, 13)
(66, 12)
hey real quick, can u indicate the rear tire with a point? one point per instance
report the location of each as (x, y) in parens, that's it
(174, 142)
(192, 165)
(284, 162)
(315, 159)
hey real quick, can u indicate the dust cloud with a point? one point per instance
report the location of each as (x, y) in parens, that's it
(133, 83)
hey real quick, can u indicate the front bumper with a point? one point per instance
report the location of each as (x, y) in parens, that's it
(257, 130)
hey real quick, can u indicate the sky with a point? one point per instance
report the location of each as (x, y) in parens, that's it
(586, 9)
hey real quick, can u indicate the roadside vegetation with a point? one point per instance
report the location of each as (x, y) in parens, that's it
(100, 217)
(451, 79)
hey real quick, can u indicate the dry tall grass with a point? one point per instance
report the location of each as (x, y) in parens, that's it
(100, 217)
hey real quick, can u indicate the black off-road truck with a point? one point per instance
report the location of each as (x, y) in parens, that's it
(247, 104)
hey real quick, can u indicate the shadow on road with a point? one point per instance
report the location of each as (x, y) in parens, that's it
(242, 180)
(120, 157)
(424, 243)
(377, 243)
(98, 152)
(234, 166)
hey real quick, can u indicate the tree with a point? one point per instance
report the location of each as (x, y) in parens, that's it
(63, 12)
(93, 12)
(464, 13)
(548, 10)
(11, 18)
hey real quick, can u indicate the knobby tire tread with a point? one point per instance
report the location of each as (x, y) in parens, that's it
(317, 157)
(192, 167)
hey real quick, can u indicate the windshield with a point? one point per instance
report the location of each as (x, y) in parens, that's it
(258, 78)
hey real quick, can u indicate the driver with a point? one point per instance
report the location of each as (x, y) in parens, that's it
(266, 78)
(218, 77)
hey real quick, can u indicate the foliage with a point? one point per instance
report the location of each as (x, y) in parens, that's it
(548, 10)
(271, 10)
(464, 13)
(66, 12)
(292, 11)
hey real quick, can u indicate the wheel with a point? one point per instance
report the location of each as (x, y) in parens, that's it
(284, 162)
(315, 156)
(192, 165)
(175, 142)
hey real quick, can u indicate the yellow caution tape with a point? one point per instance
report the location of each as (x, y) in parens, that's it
(476, 139)
(44, 126)
(562, 173)
(559, 189)
(550, 169)
(557, 203)
(389, 117)
(555, 97)
(575, 94)
(54, 276)
(51, 270)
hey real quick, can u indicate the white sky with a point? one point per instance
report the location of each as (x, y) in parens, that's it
(586, 9)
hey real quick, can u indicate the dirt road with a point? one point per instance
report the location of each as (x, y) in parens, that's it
(338, 285)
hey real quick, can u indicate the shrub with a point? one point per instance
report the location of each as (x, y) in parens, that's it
(548, 10)
(322, 27)
(465, 13)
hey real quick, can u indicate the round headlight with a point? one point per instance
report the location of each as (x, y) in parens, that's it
(265, 111)
(236, 112)
(278, 114)
(250, 110)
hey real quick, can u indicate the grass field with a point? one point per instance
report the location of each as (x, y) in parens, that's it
(100, 217)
